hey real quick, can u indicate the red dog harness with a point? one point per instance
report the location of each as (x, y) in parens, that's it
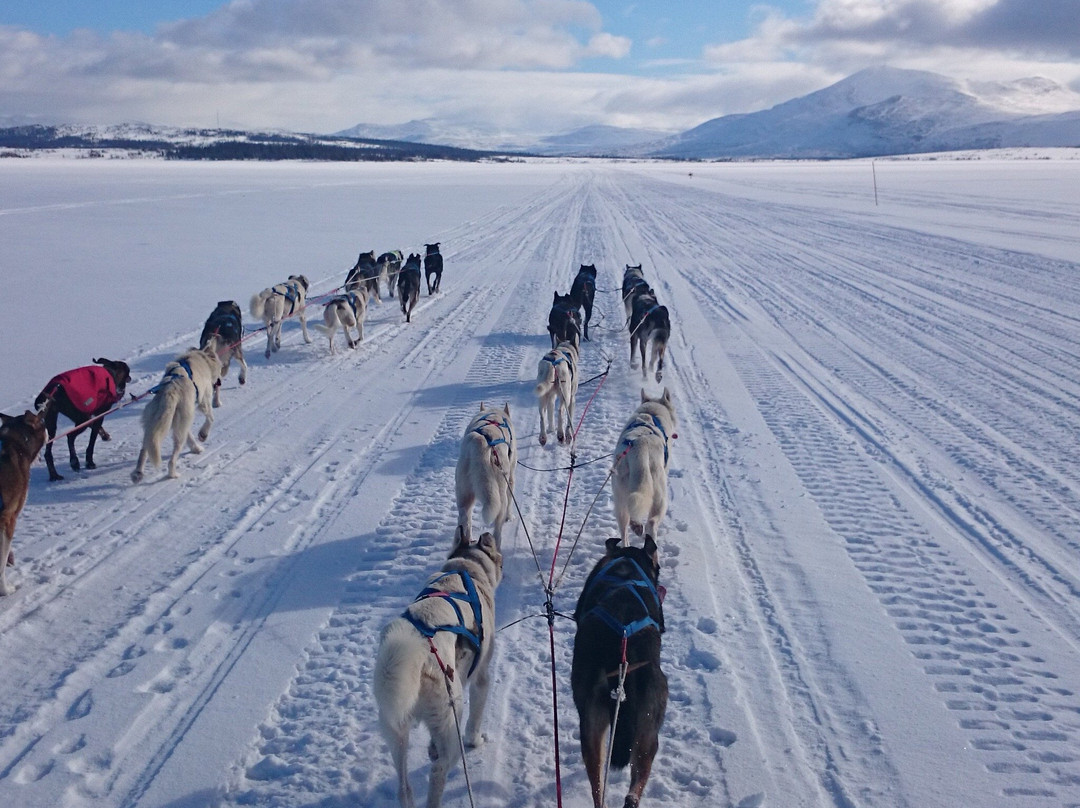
(89, 388)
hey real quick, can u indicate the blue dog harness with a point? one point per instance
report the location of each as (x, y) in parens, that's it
(185, 366)
(556, 359)
(291, 293)
(636, 584)
(469, 596)
(653, 423)
(504, 427)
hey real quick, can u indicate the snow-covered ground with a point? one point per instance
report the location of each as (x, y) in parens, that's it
(871, 554)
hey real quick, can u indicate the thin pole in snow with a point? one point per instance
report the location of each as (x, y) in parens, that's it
(873, 168)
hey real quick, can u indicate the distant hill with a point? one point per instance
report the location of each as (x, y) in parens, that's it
(884, 110)
(220, 144)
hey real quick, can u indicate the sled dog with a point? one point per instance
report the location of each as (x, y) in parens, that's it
(564, 321)
(633, 284)
(639, 478)
(274, 304)
(81, 395)
(649, 322)
(364, 275)
(21, 438)
(556, 389)
(583, 291)
(409, 285)
(622, 598)
(389, 265)
(485, 470)
(188, 384)
(433, 267)
(445, 636)
(225, 322)
(348, 311)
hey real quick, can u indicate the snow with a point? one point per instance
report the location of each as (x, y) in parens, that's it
(870, 555)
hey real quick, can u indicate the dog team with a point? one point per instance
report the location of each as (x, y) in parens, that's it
(191, 382)
(443, 641)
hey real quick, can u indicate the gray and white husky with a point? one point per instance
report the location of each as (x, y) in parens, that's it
(188, 384)
(556, 389)
(639, 477)
(349, 311)
(273, 304)
(454, 617)
(485, 470)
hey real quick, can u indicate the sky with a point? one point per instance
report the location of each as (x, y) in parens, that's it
(516, 66)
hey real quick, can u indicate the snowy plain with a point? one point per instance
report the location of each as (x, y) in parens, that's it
(871, 555)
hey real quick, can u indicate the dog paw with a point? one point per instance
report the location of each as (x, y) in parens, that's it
(243, 380)
(6, 588)
(54, 477)
(196, 448)
(90, 464)
(74, 464)
(136, 476)
(432, 752)
(475, 741)
(543, 439)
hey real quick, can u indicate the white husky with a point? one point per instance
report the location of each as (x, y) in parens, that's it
(454, 617)
(485, 470)
(188, 383)
(348, 311)
(274, 304)
(639, 478)
(557, 378)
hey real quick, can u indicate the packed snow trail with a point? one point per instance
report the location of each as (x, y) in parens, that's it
(869, 553)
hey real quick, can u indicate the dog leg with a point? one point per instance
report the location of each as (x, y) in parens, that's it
(303, 326)
(593, 748)
(239, 354)
(398, 740)
(94, 430)
(465, 506)
(73, 456)
(50, 428)
(137, 474)
(204, 433)
(640, 768)
(445, 748)
(5, 549)
(478, 694)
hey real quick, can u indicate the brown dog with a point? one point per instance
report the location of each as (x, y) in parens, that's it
(21, 438)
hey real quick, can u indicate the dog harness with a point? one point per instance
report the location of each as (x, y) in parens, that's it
(652, 423)
(291, 293)
(469, 596)
(503, 425)
(557, 359)
(637, 583)
(88, 388)
(182, 365)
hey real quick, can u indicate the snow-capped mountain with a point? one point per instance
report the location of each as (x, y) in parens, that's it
(890, 111)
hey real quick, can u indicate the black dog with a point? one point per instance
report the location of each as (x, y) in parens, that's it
(364, 273)
(433, 266)
(83, 394)
(649, 321)
(583, 291)
(226, 325)
(564, 321)
(408, 280)
(621, 601)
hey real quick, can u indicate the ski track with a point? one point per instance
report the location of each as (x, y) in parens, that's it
(882, 405)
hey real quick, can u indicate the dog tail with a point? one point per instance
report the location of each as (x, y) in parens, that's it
(258, 305)
(545, 376)
(398, 675)
(157, 420)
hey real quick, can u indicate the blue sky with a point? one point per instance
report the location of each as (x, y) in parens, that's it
(517, 66)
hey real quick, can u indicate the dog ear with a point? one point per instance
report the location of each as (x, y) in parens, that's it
(506, 408)
(612, 544)
(100, 361)
(666, 398)
(651, 550)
